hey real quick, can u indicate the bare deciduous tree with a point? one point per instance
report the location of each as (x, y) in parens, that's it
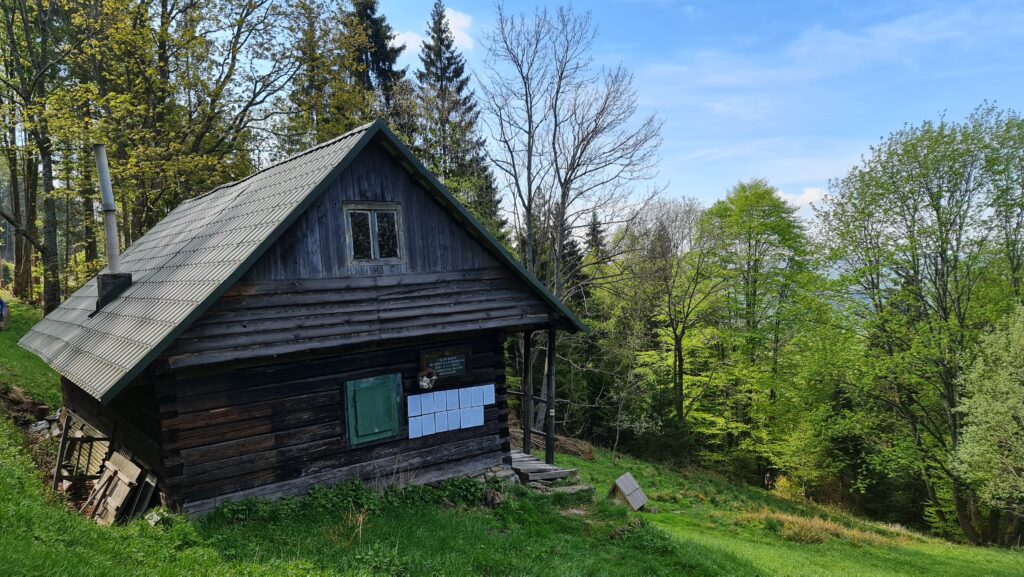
(568, 142)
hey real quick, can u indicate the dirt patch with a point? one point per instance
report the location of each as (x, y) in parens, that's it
(22, 409)
(29, 415)
(565, 445)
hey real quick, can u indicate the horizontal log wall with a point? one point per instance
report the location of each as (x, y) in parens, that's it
(263, 319)
(260, 430)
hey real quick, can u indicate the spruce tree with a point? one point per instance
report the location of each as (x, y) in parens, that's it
(595, 237)
(327, 98)
(449, 112)
(380, 55)
(480, 194)
(449, 142)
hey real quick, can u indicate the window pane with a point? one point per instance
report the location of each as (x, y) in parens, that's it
(387, 234)
(361, 243)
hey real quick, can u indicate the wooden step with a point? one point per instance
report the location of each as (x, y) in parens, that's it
(548, 475)
(530, 468)
(534, 467)
(571, 489)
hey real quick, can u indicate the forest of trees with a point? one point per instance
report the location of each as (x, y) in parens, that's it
(871, 356)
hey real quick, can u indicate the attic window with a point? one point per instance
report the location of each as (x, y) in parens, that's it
(375, 232)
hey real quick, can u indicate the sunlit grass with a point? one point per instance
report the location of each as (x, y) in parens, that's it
(770, 535)
(20, 368)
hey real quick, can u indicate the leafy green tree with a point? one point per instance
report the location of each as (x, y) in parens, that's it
(688, 275)
(326, 98)
(1005, 163)
(991, 451)
(910, 233)
(764, 254)
(766, 249)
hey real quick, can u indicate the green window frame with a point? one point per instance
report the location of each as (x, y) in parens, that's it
(373, 409)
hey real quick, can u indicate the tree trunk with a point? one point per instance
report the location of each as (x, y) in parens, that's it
(965, 513)
(677, 376)
(20, 287)
(23, 273)
(51, 258)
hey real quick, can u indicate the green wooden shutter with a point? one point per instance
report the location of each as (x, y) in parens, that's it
(372, 408)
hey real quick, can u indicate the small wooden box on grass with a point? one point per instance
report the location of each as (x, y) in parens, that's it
(628, 491)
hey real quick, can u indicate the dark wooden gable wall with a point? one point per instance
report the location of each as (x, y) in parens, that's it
(316, 245)
(304, 296)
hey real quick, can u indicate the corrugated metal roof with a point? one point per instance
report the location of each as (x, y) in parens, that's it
(179, 266)
(195, 254)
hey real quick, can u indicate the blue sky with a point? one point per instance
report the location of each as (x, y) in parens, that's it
(791, 91)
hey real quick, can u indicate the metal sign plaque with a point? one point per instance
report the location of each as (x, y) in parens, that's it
(445, 363)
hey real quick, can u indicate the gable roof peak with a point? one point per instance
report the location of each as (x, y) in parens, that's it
(198, 251)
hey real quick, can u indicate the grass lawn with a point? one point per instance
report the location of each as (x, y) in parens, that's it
(704, 526)
(19, 367)
(749, 531)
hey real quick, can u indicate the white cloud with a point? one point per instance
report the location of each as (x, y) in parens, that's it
(808, 197)
(727, 151)
(410, 40)
(460, 23)
(749, 107)
(750, 84)
(805, 202)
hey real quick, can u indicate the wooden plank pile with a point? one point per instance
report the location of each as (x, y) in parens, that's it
(81, 452)
(123, 491)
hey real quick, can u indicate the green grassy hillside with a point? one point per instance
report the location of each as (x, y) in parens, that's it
(702, 525)
(20, 368)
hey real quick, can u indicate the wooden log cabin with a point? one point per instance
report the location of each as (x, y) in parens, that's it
(337, 315)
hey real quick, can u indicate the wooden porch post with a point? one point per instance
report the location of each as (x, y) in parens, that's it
(549, 418)
(527, 413)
